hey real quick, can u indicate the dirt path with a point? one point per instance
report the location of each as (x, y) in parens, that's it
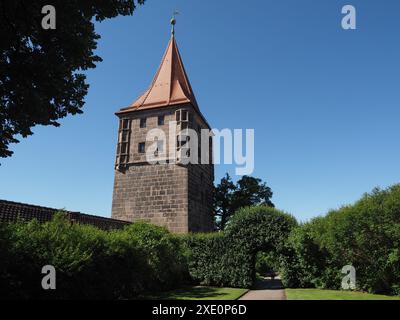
(266, 289)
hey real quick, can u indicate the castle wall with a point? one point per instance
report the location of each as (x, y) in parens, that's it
(154, 193)
(200, 186)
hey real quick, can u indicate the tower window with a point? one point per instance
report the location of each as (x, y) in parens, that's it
(160, 120)
(124, 148)
(160, 146)
(122, 157)
(124, 134)
(142, 147)
(182, 116)
(143, 122)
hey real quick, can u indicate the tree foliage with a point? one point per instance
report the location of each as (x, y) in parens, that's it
(365, 235)
(230, 197)
(41, 77)
(267, 263)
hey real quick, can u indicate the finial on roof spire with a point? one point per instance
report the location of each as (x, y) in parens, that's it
(173, 22)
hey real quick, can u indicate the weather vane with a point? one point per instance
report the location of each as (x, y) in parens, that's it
(173, 21)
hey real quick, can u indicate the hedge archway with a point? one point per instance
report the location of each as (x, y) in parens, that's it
(228, 258)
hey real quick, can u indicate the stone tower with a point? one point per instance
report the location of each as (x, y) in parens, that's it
(172, 193)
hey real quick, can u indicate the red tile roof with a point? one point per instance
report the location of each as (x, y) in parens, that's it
(12, 211)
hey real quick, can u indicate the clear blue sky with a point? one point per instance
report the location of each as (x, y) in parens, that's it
(324, 102)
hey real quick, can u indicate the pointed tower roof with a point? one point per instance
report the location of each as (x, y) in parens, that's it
(170, 85)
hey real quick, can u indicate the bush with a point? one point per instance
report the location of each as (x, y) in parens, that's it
(365, 235)
(90, 263)
(164, 253)
(228, 258)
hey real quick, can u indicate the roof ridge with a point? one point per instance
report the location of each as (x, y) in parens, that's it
(147, 92)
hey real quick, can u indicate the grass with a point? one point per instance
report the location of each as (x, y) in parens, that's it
(199, 293)
(318, 294)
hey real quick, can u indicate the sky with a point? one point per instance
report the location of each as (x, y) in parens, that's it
(323, 101)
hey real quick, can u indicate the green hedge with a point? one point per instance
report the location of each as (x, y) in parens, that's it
(267, 262)
(365, 235)
(141, 258)
(90, 263)
(228, 258)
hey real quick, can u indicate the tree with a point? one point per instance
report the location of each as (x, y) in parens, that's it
(40, 79)
(228, 197)
(223, 199)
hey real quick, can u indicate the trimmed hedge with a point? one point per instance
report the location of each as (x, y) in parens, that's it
(365, 235)
(124, 264)
(90, 263)
(228, 258)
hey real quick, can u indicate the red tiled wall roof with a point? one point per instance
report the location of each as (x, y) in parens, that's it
(12, 211)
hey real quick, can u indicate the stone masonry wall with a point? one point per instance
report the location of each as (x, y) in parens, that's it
(200, 198)
(154, 193)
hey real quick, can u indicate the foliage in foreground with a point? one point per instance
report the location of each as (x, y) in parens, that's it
(122, 264)
(90, 263)
(365, 235)
(141, 258)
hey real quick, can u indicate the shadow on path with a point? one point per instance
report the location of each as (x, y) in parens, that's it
(266, 289)
(268, 284)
